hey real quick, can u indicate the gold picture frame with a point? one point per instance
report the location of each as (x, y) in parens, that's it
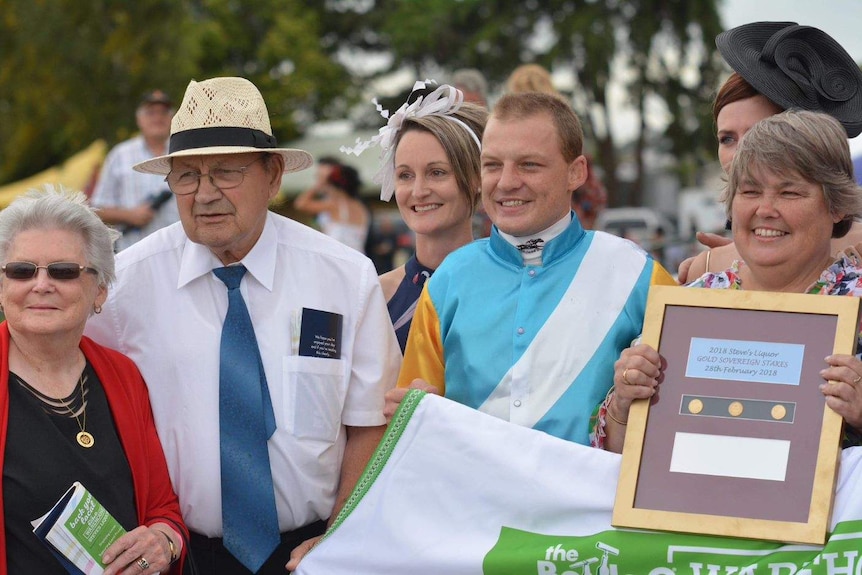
(711, 453)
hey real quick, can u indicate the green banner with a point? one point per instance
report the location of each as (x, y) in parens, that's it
(619, 552)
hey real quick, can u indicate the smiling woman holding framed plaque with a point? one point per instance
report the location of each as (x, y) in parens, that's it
(790, 190)
(747, 377)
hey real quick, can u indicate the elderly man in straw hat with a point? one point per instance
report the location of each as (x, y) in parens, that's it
(267, 346)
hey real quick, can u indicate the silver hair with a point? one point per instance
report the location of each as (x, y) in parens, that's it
(56, 208)
(812, 145)
(470, 79)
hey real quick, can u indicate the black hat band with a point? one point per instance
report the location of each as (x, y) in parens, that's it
(216, 136)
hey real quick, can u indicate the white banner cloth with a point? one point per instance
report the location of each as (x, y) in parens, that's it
(454, 491)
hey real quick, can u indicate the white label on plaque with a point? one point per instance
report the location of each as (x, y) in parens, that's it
(729, 456)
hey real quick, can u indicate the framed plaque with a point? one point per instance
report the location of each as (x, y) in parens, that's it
(738, 441)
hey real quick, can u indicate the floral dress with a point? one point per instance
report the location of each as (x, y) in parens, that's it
(842, 277)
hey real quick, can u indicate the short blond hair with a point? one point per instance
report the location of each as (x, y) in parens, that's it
(530, 78)
(528, 104)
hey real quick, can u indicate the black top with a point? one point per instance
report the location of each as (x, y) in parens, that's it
(403, 302)
(43, 459)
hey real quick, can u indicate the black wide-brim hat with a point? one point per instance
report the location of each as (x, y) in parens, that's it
(797, 67)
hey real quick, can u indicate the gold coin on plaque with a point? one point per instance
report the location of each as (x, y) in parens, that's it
(695, 406)
(778, 411)
(735, 409)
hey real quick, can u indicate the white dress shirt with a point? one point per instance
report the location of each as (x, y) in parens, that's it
(119, 186)
(166, 312)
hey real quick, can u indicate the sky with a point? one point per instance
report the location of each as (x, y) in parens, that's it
(841, 19)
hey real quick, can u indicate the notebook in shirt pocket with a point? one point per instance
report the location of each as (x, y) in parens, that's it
(314, 393)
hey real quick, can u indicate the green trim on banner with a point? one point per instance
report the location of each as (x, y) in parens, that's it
(620, 552)
(381, 455)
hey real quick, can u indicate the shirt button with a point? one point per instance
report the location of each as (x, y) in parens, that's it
(531, 273)
(520, 331)
(517, 403)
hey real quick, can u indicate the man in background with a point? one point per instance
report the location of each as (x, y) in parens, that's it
(473, 85)
(138, 204)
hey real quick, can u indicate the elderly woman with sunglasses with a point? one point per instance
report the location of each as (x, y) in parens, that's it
(72, 410)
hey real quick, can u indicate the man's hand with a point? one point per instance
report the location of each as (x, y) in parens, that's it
(713, 240)
(300, 551)
(395, 396)
(140, 216)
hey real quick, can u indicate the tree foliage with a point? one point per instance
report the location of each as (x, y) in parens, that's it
(72, 71)
(278, 45)
(659, 52)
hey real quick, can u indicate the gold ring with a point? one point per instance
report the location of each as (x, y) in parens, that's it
(626, 379)
(143, 564)
(857, 380)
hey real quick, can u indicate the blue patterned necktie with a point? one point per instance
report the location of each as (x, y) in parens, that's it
(246, 422)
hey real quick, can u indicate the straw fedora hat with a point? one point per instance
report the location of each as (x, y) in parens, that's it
(223, 116)
(797, 67)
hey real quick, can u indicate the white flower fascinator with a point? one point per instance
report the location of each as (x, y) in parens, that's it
(442, 101)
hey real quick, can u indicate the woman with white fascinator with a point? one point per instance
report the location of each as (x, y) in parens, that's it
(430, 151)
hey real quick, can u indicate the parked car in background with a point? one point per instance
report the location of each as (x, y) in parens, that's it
(641, 225)
(699, 211)
(650, 229)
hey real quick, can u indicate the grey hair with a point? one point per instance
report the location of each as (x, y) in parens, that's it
(811, 144)
(56, 208)
(470, 79)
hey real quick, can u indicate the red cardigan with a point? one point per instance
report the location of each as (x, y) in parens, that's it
(129, 402)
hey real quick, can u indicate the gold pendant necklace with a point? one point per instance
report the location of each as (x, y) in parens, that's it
(84, 437)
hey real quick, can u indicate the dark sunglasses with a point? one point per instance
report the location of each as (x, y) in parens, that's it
(57, 271)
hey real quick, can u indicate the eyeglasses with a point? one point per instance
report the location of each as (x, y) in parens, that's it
(57, 271)
(188, 182)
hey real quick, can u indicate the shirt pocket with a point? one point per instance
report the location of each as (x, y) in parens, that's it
(314, 393)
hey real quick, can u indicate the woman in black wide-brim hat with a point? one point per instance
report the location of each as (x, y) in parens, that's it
(778, 66)
(790, 188)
